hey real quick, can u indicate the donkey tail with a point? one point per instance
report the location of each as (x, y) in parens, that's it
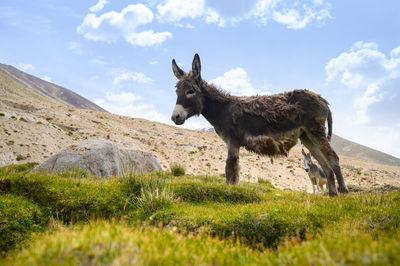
(329, 125)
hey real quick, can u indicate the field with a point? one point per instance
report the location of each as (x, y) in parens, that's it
(161, 218)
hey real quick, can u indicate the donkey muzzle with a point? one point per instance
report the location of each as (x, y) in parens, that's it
(179, 115)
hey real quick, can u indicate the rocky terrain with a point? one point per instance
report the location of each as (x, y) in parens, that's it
(34, 126)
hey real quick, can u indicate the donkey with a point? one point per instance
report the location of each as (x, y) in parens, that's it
(316, 174)
(266, 125)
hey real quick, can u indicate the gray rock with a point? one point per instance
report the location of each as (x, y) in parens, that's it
(100, 157)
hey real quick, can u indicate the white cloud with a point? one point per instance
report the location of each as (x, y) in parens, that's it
(153, 62)
(97, 61)
(148, 38)
(294, 20)
(46, 78)
(371, 81)
(99, 6)
(75, 47)
(25, 67)
(120, 75)
(293, 14)
(175, 10)
(129, 104)
(111, 26)
(237, 82)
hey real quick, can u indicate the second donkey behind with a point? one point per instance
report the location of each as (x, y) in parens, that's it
(316, 174)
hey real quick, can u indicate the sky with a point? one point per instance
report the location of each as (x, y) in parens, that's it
(118, 54)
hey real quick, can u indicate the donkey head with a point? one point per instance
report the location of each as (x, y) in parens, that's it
(307, 160)
(188, 89)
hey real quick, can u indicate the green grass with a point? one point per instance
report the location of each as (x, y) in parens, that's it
(18, 219)
(177, 169)
(158, 218)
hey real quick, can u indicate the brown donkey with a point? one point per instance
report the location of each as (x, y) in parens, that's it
(267, 125)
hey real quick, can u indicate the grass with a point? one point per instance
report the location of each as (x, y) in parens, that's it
(177, 169)
(18, 219)
(157, 218)
(147, 192)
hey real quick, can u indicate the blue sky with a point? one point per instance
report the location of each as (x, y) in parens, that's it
(118, 54)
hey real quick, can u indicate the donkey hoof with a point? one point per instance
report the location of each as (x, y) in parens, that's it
(332, 194)
(343, 190)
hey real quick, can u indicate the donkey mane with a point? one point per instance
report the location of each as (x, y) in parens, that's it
(270, 107)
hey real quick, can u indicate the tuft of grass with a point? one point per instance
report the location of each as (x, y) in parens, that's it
(151, 201)
(265, 183)
(23, 119)
(134, 183)
(17, 168)
(147, 192)
(75, 172)
(177, 169)
(18, 219)
(204, 192)
(2, 114)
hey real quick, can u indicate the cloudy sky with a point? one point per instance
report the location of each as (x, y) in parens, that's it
(118, 54)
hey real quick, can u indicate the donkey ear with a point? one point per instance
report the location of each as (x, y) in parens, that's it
(196, 66)
(302, 151)
(177, 71)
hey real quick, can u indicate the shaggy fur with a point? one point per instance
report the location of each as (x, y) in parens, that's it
(266, 125)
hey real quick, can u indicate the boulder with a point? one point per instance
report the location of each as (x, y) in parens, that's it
(100, 157)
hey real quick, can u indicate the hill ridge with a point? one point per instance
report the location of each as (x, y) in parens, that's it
(47, 89)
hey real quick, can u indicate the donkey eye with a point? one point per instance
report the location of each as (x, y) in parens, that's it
(189, 92)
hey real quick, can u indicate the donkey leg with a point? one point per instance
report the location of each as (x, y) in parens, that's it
(315, 151)
(321, 186)
(232, 165)
(333, 160)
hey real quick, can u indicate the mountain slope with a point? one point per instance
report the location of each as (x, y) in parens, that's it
(19, 83)
(349, 148)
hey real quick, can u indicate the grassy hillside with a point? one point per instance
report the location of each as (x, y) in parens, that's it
(158, 218)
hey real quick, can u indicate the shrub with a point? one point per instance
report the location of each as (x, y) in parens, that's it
(177, 169)
(2, 114)
(20, 157)
(18, 219)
